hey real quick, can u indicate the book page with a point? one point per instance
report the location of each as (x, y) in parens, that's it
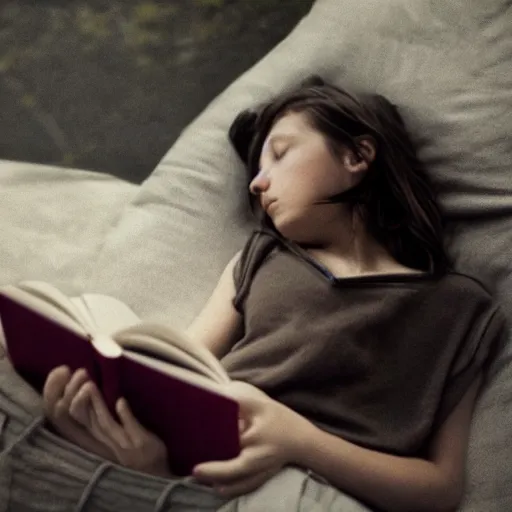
(180, 373)
(106, 313)
(64, 316)
(168, 355)
(42, 292)
(163, 337)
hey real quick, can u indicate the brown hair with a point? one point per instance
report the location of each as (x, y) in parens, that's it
(396, 198)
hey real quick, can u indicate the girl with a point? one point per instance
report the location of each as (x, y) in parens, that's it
(356, 351)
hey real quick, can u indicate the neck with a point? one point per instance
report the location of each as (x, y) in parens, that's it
(349, 245)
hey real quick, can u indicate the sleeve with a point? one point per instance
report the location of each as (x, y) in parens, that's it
(237, 272)
(475, 354)
(253, 254)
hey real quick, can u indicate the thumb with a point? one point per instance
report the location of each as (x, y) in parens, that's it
(249, 398)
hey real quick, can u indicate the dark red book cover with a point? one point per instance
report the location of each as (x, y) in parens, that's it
(196, 425)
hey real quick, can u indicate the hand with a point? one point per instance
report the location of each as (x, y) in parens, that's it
(59, 391)
(131, 444)
(269, 437)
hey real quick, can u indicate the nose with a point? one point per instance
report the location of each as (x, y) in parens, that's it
(260, 183)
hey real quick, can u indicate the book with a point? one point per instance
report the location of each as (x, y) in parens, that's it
(176, 388)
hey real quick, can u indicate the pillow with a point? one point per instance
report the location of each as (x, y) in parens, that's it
(54, 221)
(447, 67)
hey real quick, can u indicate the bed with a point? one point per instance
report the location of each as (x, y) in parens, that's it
(161, 246)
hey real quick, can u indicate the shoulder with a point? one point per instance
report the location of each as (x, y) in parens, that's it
(465, 285)
(261, 242)
(259, 246)
(469, 296)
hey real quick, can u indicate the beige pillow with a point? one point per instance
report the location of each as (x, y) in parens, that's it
(54, 221)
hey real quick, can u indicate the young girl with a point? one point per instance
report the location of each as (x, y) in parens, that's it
(356, 352)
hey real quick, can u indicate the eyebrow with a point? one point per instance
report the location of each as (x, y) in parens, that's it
(282, 137)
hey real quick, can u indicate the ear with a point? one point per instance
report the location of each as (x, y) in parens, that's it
(367, 146)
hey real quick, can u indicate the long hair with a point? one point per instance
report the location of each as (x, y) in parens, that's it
(396, 199)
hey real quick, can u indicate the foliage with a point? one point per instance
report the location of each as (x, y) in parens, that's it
(91, 74)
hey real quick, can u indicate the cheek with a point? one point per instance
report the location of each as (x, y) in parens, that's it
(315, 185)
(318, 174)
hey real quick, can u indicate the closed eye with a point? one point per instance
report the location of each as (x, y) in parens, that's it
(278, 155)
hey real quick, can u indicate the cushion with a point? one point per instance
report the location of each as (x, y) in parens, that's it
(447, 67)
(54, 221)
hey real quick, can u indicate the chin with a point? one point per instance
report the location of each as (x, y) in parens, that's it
(291, 230)
(292, 226)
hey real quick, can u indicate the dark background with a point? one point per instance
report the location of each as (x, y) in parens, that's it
(108, 85)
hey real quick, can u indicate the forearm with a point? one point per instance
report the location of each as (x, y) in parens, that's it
(386, 481)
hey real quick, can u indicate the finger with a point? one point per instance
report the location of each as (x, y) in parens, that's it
(54, 387)
(121, 449)
(130, 423)
(83, 438)
(84, 411)
(246, 485)
(249, 397)
(249, 437)
(98, 434)
(73, 430)
(243, 466)
(78, 379)
(242, 425)
(107, 425)
(80, 406)
(74, 394)
(251, 400)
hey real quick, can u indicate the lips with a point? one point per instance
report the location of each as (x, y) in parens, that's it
(265, 203)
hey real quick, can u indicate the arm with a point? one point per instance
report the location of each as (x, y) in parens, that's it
(219, 324)
(391, 482)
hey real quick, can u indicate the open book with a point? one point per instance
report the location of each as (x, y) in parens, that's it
(174, 386)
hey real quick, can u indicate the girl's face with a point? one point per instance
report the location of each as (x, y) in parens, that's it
(297, 170)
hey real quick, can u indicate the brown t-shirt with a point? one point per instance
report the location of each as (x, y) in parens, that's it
(378, 360)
